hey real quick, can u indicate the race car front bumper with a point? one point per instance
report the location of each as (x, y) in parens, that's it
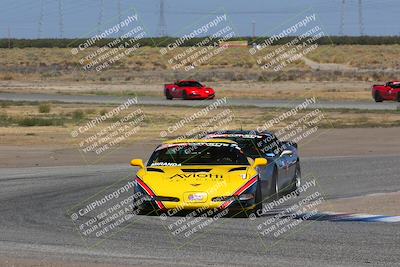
(243, 199)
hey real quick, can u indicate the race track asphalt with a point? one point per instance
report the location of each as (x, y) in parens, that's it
(200, 103)
(34, 222)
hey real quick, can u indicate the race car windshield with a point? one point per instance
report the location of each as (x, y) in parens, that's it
(198, 154)
(190, 84)
(249, 147)
(255, 147)
(395, 85)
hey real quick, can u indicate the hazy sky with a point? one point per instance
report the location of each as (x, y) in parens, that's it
(81, 17)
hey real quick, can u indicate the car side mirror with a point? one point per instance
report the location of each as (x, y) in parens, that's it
(287, 153)
(137, 163)
(260, 162)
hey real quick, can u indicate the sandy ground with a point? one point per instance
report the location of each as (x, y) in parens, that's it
(327, 142)
(377, 204)
(327, 66)
(352, 142)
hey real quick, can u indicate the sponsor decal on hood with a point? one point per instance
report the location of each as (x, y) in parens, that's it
(197, 175)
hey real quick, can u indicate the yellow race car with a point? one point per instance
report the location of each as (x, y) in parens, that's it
(184, 175)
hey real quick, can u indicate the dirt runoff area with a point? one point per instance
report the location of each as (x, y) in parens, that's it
(387, 204)
(329, 143)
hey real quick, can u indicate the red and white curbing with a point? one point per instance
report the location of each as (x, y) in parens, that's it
(347, 217)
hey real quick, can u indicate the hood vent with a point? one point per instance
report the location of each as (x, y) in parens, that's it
(150, 169)
(196, 170)
(238, 169)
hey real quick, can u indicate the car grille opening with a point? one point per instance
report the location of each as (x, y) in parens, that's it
(222, 199)
(166, 199)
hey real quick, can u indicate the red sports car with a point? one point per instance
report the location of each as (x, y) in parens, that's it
(389, 91)
(188, 89)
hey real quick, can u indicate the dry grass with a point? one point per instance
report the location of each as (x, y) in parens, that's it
(149, 58)
(360, 56)
(161, 119)
(145, 58)
(233, 64)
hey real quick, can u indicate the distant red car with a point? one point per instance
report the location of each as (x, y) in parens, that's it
(188, 89)
(389, 91)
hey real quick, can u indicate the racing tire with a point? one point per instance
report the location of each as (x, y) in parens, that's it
(296, 179)
(258, 202)
(251, 213)
(168, 95)
(274, 190)
(147, 212)
(398, 97)
(378, 97)
(184, 95)
(141, 212)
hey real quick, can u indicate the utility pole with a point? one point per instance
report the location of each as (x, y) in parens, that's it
(40, 23)
(162, 25)
(119, 11)
(61, 18)
(341, 29)
(253, 25)
(119, 7)
(360, 17)
(100, 21)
